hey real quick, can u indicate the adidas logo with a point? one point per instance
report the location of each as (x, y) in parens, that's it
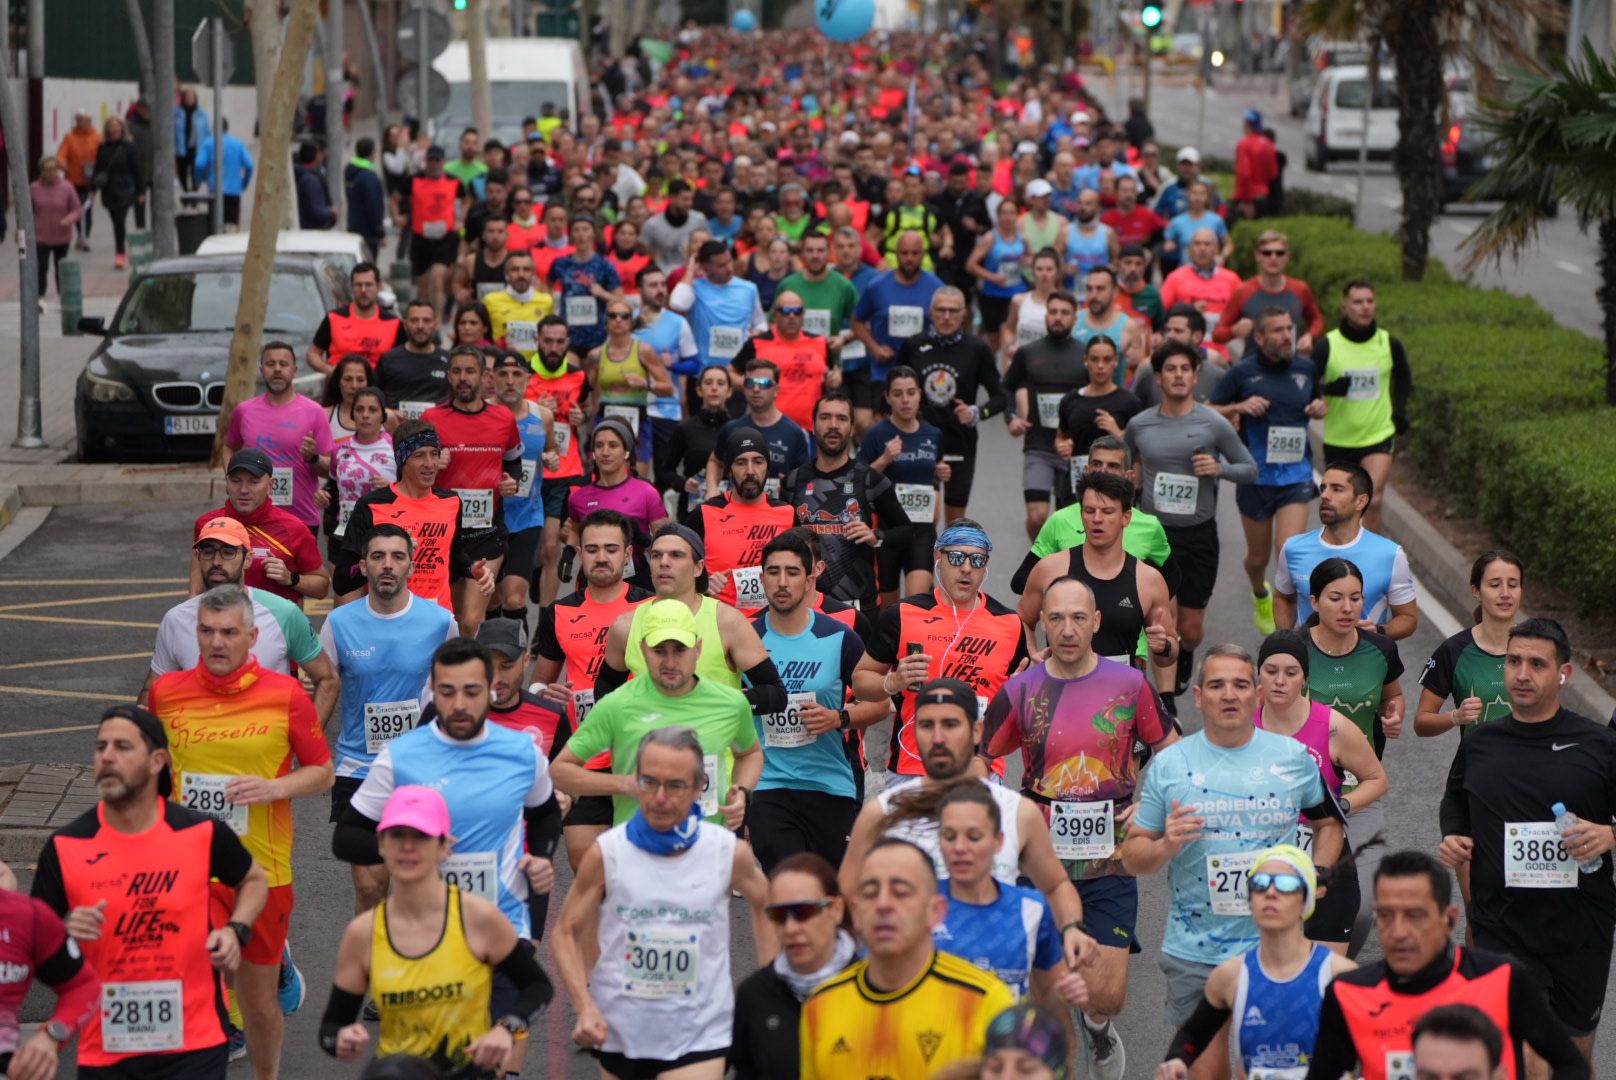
(841, 1047)
(1253, 1018)
(1125, 603)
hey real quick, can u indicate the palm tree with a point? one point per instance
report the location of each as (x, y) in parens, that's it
(1422, 37)
(1554, 141)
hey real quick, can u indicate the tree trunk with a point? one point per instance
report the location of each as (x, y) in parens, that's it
(165, 178)
(1607, 302)
(30, 413)
(264, 20)
(482, 103)
(274, 168)
(1415, 41)
(143, 53)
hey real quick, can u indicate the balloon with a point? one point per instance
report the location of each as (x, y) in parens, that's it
(744, 21)
(844, 20)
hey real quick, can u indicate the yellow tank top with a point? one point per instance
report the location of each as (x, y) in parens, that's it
(611, 376)
(713, 663)
(434, 1005)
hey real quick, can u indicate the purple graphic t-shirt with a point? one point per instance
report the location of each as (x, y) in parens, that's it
(278, 431)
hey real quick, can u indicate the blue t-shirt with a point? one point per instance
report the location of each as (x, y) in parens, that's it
(916, 463)
(886, 301)
(384, 661)
(1278, 438)
(663, 336)
(726, 233)
(818, 661)
(862, 277)
(788, 443)
(1386, 576)
(1250, 797)
(570, 279)
(526, 511)
(1182, 227)
(1011, 937)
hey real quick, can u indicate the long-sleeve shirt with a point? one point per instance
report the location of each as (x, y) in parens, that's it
(1249, 300)
(238, 164)
(1167, 443)
(56, 207)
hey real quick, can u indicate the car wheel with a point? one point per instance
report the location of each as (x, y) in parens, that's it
(1313, 158)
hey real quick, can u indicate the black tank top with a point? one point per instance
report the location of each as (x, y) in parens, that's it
(1122, 616)
(484, 274)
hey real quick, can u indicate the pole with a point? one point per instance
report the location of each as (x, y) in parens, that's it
(482, 105)
(1372, 76)
(164, 203)
(1150, 55)
(216, 76)
(1204, 76)
(423, 83)
(35, 130)
(30, 430)
(383, 92)
(334, 151)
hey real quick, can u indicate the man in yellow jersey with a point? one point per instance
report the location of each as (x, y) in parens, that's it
(906, 1009)
(517, 309)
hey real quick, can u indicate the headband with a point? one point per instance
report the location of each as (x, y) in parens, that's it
(1297, 860)
(1286, 642)
(405, 448)
(964, 536)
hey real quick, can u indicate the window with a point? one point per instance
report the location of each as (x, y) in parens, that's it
(1350, 93)
(205, 302)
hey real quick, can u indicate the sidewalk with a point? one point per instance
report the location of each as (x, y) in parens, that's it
(35, 801)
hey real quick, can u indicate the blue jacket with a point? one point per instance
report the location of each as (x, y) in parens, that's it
(200, 127)
(313, 212)
(367, 207)
(238, 164)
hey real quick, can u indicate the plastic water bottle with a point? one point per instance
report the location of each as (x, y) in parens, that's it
(1563, 820)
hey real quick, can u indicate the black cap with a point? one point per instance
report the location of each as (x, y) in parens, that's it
(436, 153)
(688, 535)
(1131, 249)
(252, 459)
(508, 637)
(949, 692)
(151, 729)
(744, 440)
(510, 358)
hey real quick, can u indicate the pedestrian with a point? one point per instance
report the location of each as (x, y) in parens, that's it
(76, 155)
(313, 210)
(57, 207)
(367, 205)
(1256, 167)
(117, 176)
(190, 126)
(236, 169)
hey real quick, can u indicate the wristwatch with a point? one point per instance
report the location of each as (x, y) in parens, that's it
(242, 931)
(57, 1031)
(513, 1024)
(1346, 804)
(847, 720)
(296, 577)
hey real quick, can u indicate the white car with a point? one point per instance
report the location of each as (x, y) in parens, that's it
(343, 250)
(1335, 115)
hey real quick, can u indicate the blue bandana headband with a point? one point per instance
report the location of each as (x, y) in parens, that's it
(963, 536)
(403, 449)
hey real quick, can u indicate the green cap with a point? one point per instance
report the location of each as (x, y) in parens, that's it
(669, 620)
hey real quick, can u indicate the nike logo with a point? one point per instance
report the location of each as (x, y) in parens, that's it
(1561, 746)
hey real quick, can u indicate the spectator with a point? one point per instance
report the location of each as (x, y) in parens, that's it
(313, 211)
(237, 169)
(117, 175)
(191, 125)
(76, 156)
(139, 122)
(56, 208)
(1256, 167)
(367, 207)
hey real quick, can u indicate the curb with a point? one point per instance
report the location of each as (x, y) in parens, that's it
(20, 846)
(10, 503)
(1444, 573)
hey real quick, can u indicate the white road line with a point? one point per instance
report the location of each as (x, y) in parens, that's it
(1568, 267)
(1442, 619)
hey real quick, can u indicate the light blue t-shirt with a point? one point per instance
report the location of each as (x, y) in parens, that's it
(527, 511)
(1250, 797)
(1184, 226)
(726, 308)
(384, 662)
(1386, 576)
(1011, 937)
(818, 661)
(669, 334)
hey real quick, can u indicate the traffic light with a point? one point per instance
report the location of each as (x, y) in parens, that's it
(460, 5)
(1151, 16)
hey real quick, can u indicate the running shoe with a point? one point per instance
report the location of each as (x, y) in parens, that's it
(1263, 610)
(291, 988)
(1107, 1059)
(237, 1043)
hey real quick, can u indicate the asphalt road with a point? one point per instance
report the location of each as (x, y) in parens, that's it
(82, 597)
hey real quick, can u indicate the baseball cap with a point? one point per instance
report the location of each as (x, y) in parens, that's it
(436, 152)
(508, 637)
(1081, 140)
(224, 530)
(252, 459)
(949, 692)
(1189, 153)
(744, 440)
(1040, 188)
(1026, 147)
(151, 729)
(669, 620)
(418, 807)
(1128, 250)
(1080, 117)
(510, 358)
(1253, 117)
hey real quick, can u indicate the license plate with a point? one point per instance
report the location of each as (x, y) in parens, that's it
(191, 425)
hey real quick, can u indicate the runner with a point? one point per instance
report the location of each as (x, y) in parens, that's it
(1089, 243)
(1271, 287)
(1339, 749)
(438, 204)
(891, 309)
(907, 1008)
(1199, 817)
(480, 272)
(1026, 1042)
(1028, 318)
(1040, 228)
(908, 452)
(1389, 607)
(1099, 407)
(723, 310)
(787, 443)
(1366, 383)
(665, 233)
(735, 526)
(667, 333)
(1101, 315)
(1182, 323)
(563, 387)
(1368, 1015)
(1534, 822)
(235, 729)
(583, 281)
(801, 358)
(1041, 375)
(359, 327)
(1452, 1041)
(624, 371)
(290, 428)
(1075, 718)
(657, 887)
(160, 1012)
(359, 464)
(997, 262)
(1272, 396)
(1270, 995)
(1201, 282)
(524, 509)
(614, 487)
(1469, 666)
(481, 459)
(428, 953)
(1135, 224)
(382, 649)
(1199, 212)
(827, 296)
(414, 375)
(682, 467)
(1137, 296)
(517, 307)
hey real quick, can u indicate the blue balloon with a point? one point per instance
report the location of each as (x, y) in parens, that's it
(744, 21)
(844, 20)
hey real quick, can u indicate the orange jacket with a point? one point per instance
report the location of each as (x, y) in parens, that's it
(77, 156)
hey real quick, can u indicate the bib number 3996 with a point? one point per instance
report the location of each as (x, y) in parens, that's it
(659, 964)
(1082, 830)
(1226, 882)
(142, 1017)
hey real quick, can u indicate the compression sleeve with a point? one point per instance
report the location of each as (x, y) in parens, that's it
(1334, 1053)
(1402, 386)
(341, 1009)
(998, 397)
(1199, 1030)
(607, 680)
(533, 989)
(767, 693)
(543, 828)
(354, 839)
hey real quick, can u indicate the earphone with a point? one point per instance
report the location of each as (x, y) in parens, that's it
(1562, 680)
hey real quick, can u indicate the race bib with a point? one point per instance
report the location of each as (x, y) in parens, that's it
(919, 501)
(748, 582)
(771, 487)
(582, 702)
(1079, 465)
(629, 414)
(660, 964)
(1400, 1065)
(905, 320)
(475, 872)
(709, 795)
(1082, 830)
(1304, 839)
(344, 512)
(783, 730)
(854, 350)
(530, 469)
(816, 321)
(412, 410)
(1029, 332)
(1363, 384)
(1286, 445)
(523, 336)
(723, 342)
(281, 486)
(476, 507)
(1535, 857)
(1226, 882)
(142, 1017)
(434, 230)
(1175, 493)
(563, 438)
(1049, 410)
(204, 793)
(582, 311)
(387, 720)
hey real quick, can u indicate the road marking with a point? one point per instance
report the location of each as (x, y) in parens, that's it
(90, 600)
(73, 660)
(1569, 267)
(1462, 230)
(47, 731)
(79, 622)
(52, 583)
(85, 695)
(1441, 618)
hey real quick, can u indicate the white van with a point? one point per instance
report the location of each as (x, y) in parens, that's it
(524, 75)
(1335, 115)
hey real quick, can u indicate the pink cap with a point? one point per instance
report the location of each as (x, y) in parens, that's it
(416, 807)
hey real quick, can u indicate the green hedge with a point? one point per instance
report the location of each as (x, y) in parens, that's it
(1508, 418)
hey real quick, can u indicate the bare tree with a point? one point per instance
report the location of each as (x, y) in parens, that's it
(264, 22)
(482, 103)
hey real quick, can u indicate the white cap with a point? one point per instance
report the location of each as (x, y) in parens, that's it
(1080, 117)
(1026, 146)
(1039, 188)
(1189, 153)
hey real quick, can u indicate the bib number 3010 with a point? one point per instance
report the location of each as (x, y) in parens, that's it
(660, 964)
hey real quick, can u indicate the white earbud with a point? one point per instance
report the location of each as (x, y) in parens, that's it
(1562, 680)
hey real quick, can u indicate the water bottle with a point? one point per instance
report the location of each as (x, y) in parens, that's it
(1563, 820)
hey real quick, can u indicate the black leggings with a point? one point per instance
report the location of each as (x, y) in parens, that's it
(118, 214)
(87, 214)
(45, 253)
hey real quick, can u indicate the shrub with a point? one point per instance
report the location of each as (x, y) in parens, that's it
(1302, 202)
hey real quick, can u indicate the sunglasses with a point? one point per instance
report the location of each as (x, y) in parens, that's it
(1286, 884)
(755, 383)
(801, 911)
(624, 315)
(1271, 252)
(957, 558)
(789, 310)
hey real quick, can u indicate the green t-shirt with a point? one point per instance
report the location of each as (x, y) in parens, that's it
(1352, 685)
(1143, 537)
(719, 715)
(829, 303)
(1460, 669)
(465, 171)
